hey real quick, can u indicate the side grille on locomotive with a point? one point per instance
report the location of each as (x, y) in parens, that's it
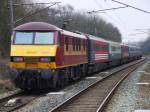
(31, 59)
(37, 59)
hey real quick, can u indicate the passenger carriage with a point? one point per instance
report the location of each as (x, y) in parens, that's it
(98, 53)
(134, 52)
(114, 53)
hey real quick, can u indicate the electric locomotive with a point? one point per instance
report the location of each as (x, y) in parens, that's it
(45, 56)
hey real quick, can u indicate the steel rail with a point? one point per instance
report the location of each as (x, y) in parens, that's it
(21, 105)
(7, 98)
(111, 93)
(25, 98)
(19, 93)
(90, 86)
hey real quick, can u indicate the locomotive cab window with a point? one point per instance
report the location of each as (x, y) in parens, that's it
(34, 38)
(23, 38)
(44, 38)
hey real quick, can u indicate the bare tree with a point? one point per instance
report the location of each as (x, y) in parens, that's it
(81, 21)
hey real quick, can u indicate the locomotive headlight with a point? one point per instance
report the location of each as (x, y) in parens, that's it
(17, 59)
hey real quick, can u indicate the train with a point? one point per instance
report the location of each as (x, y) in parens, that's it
(44, 56)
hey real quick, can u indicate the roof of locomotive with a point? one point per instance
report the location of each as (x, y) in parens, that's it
(36, 26)
(42, 26)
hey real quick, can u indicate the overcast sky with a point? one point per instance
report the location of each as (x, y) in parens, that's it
(127, 20)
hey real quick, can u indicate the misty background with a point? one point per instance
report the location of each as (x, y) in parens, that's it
(73, 16)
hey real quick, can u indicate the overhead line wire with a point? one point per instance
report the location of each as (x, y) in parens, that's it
(99, 5)
(132, 7)
(115, 20)
(115, 8)
(121, 21)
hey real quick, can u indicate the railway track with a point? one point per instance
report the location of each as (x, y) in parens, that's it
(95, 97)
(17, 100)
(20, 99)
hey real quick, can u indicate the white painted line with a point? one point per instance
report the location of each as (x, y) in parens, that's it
(105, 72)
(93, 78)
(56, 93)
(142, 111)
(141, 71)
(143, 83)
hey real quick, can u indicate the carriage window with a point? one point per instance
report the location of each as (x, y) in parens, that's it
(23, 38)
(79, 44)
(44, 38)
(73, 44)
(118, 48)
(113, 48)
(76, 45)
(84, 45)
(66, 42)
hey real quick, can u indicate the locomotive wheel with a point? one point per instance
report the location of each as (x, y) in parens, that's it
(84, 70)
(61, 78)
(55, 79)
(66, 74)
(74, 73)
(58, 79)
(71, 74)
(77, 73)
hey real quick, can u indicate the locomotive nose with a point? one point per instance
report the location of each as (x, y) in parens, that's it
(33, 50)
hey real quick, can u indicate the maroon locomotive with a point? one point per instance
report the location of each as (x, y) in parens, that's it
(45, 56)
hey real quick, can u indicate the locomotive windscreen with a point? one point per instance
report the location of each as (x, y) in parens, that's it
(34, 38)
